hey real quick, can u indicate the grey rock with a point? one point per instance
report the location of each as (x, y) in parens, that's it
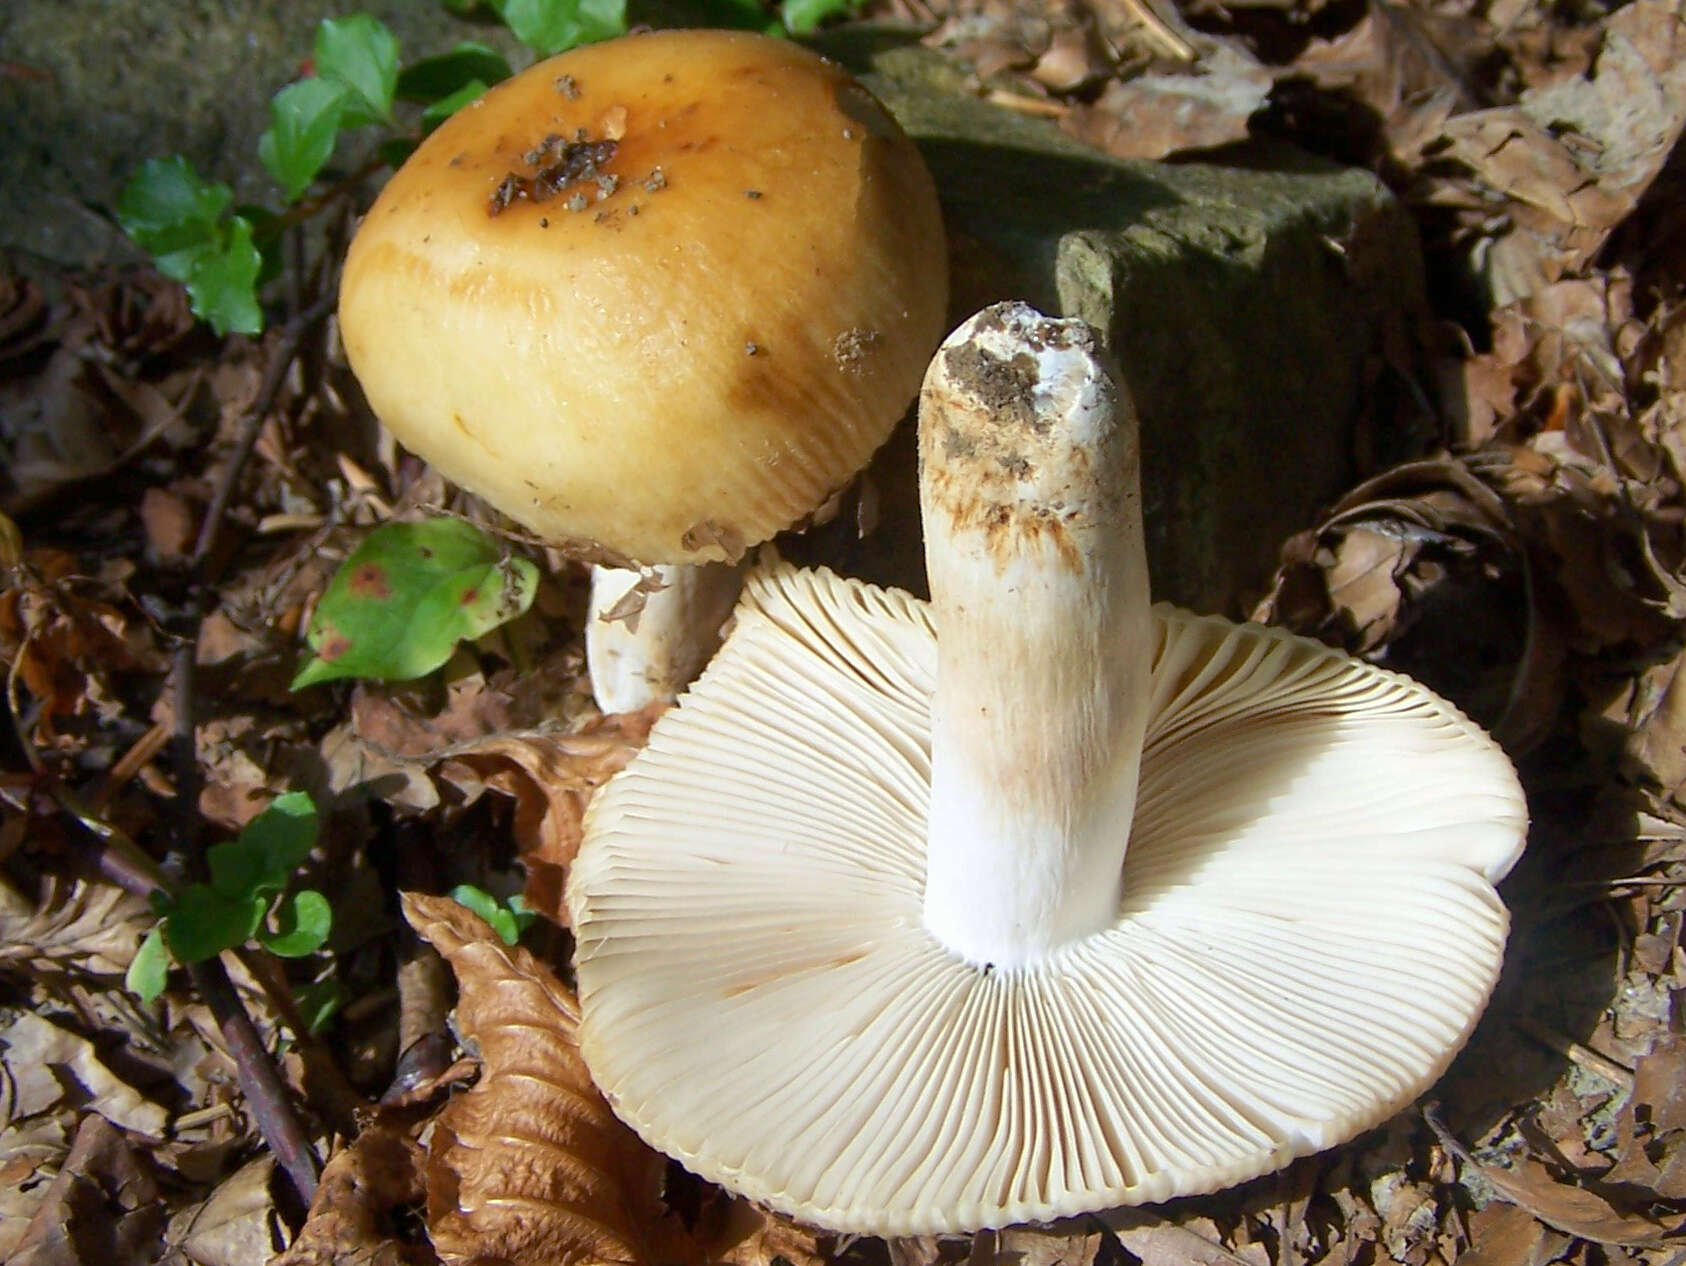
(93, 88)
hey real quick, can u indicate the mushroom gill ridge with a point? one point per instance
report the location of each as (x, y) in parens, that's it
(1289, 966)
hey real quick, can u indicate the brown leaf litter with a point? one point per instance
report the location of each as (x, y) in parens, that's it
(1533, 568)
(530, 1164)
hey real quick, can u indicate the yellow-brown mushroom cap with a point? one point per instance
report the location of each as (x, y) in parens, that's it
(658, 297)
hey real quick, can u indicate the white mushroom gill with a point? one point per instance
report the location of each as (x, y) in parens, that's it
(773, 993)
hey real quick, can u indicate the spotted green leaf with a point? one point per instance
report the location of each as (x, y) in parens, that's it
(399, 605)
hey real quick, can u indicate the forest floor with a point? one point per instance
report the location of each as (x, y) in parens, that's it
(181, 500)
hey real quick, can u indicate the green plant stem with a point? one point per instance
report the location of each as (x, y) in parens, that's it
(121, 861)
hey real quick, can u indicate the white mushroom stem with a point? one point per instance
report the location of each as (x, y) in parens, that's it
(1030, 490)
(649, 633)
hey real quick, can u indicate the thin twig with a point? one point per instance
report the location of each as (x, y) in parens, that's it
(266, 1095)
(275, 372)
(329, 1088)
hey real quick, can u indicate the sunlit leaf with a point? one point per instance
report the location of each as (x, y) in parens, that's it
(359, 54)
(203, 923)
(149, 969)
(398, 606)
(267, 852)
(302, 923)
(304, 123)
(553, 26)
(222, 282)
(168, 207)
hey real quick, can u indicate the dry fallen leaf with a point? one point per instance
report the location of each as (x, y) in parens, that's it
(551, 777)
(750, 1236)
(530, 1165)
(1168, 112)
(102, 1208)
(72, 928)
(351, 1219)
(233, 1226)
(1574, 1210)
(45, 1065)
(1508, 1235)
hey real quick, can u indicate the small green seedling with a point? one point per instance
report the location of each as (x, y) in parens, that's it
(508, 918)
(247, 899)
(318, 1002)
(396, 609)
(183, 220)
(553, 26)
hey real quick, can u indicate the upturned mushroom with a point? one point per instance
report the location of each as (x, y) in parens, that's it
(1033, 900)
(655, 299)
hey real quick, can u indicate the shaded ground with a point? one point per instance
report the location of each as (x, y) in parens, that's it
(182, 500)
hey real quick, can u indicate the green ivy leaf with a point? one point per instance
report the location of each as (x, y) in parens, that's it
(449, 104)
(553, 26)
(802, 17)
(359, 54)
(167, 207)
(203, 923)
(483, 903)
(302, 923)
(398, 606)
(434, 78)
(222, 281)
(149, 969)
(304, 123)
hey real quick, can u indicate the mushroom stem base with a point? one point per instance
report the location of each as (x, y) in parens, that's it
(649, 633)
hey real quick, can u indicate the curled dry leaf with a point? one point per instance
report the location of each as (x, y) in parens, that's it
(475, 745)
(1424, 562)
(71, 928)
(1574, 1210)
(102, 1207)
(551, 778)
(530, 1165)
(350, 1221)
